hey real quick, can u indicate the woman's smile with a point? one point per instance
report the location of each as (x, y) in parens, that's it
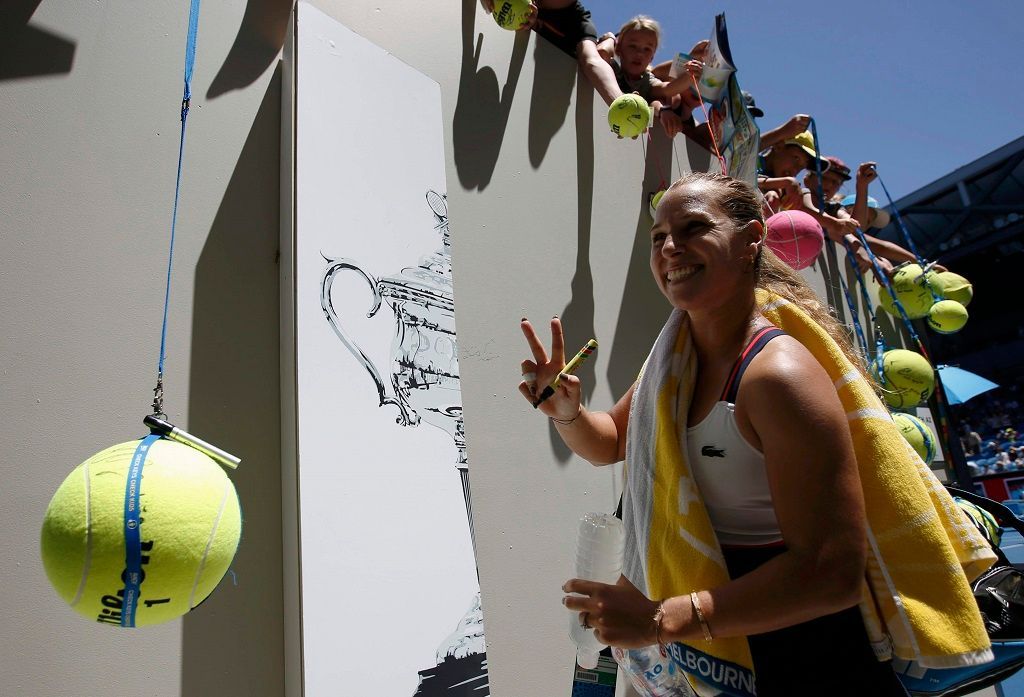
(681, 273)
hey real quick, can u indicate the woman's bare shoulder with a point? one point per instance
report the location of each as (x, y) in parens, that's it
(785, 369)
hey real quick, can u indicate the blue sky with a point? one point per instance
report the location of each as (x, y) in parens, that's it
(920, 86)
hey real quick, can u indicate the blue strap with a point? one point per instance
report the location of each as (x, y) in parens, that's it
(871, 255)
(910, 242)
(190, 45)
(132, 533)
(899, 223)
(190, 61)
(926, 438)
(850, 257)
(855, 316)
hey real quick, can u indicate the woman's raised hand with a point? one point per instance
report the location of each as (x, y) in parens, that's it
(564, 404)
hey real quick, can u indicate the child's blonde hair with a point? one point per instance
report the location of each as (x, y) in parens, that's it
(642, 23)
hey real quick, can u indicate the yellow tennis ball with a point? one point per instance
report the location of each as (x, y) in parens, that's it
(911, 290)
(947, 317)
(629, 115)
(189, 529)
(655, 200)
(907, 378)
(510, 14)
(917, 434)
(953, 286)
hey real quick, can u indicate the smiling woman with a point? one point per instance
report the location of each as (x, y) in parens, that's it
(745, 518)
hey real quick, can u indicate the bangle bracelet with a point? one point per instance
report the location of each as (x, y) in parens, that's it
(699, 611)
(659, 615)
(566, 422)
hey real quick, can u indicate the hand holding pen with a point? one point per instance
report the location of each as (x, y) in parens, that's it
(559, 398)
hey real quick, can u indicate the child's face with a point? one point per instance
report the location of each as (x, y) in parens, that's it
(787, 160)
(830, 184)
(636, 51)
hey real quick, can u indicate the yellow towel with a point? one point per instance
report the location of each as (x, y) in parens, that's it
(918, 604)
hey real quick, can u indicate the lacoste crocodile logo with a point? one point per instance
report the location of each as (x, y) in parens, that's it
(712, 451)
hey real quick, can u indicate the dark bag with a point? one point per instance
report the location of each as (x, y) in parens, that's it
(999, 593)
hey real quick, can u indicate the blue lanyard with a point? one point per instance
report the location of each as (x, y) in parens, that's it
(190, 61)
(871, 255)
(133, 575)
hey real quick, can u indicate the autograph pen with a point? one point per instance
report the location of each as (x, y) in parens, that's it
(569, 369)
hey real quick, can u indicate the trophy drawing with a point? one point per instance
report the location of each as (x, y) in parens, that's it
(424, 379)
(424, 375)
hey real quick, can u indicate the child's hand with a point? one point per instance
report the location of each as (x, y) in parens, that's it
(695, 68)
(790, 184)
(488, 6)
(700, 49)
(841, 226)
(796, 125)
(531, 19)
(885, 265)
(792, 196)
(867, 173)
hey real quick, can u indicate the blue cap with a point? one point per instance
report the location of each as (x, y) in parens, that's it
(852, 199)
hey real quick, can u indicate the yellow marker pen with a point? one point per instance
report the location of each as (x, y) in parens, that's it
(569, 369)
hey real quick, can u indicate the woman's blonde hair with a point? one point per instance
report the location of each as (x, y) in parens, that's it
(741, 203)
(642, 23)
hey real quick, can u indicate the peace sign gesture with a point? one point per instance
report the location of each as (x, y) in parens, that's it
(564, 404)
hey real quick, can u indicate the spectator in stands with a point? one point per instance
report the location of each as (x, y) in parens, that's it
(1002, 460)
(1015, 458)
(970, 440)
(777, 170)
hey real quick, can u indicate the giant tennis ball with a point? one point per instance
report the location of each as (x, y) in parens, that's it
(510, 14)
(947, 317)
(655, 200)
(953, 286)
(907, 378)
(629, 115)
(190, 525)
(795, 237)
(917, 434)
(911, 290)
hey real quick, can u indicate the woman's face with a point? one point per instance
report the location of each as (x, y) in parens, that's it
(699, 257)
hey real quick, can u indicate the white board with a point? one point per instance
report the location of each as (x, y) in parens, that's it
(389, 594)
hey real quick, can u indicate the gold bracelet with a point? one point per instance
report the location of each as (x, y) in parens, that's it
(699, 611)
(659, 615)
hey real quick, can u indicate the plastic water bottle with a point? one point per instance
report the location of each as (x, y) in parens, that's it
(599, 545)
(652, 672)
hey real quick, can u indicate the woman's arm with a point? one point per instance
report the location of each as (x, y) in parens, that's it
(792, 408)
(596, 436)
(794, 411)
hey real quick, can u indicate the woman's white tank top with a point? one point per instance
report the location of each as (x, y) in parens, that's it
(729, 471)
